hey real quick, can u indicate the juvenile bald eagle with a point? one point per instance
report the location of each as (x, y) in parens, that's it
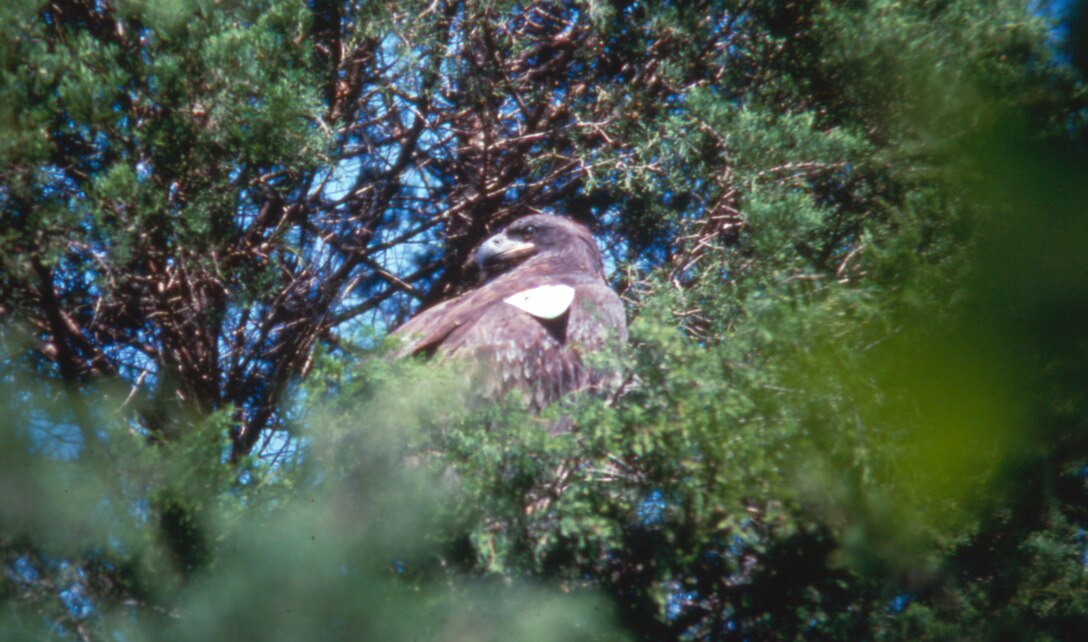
(543, 305)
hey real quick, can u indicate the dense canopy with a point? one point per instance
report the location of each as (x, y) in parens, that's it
(848, 237)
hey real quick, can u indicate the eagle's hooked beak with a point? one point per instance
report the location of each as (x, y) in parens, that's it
(501, 248)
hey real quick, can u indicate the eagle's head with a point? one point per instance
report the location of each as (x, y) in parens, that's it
(546, 244)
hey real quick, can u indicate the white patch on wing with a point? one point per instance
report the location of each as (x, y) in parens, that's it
(544, 302)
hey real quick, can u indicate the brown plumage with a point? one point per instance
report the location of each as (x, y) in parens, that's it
(543, 305)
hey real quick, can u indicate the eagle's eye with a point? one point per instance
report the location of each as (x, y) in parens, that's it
(528, 232)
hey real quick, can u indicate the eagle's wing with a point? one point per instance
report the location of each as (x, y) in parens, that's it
(510, 349)
(532, 340)
(429, 330)
(423, 332)
(597, 323)
(597, 317)
(525, 332)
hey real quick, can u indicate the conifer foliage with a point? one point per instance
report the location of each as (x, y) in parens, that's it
(850, 236)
